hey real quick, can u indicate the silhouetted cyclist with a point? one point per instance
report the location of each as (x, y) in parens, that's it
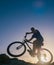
(39, 39)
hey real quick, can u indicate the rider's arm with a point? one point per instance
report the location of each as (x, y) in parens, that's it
(28, 32)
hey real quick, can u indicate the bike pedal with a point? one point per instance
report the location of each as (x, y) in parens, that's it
(31, 53)
(28, 50)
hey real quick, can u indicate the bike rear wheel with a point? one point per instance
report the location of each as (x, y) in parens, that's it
(45, 55)
(16, 49)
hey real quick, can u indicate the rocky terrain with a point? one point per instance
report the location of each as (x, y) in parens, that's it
(5, 60)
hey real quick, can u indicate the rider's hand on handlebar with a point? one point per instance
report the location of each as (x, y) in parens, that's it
(26, 33)
(25, 36)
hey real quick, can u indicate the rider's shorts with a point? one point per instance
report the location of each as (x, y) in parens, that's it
(37, 43)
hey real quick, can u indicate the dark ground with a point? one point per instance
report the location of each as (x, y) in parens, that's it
(5, 60)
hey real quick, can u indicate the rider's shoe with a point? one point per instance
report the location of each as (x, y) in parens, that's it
(33, 54)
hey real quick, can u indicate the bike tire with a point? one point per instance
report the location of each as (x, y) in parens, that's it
(16, 42)
(49, 53)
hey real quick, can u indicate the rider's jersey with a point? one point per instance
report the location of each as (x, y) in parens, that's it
(38, 36)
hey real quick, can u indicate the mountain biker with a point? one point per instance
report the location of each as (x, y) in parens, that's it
(38, 42)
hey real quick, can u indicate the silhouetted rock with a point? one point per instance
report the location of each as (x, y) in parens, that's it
(5, 60)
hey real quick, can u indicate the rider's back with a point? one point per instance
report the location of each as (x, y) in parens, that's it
(38, 36)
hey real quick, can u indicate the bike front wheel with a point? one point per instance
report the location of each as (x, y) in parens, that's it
(45, 55)
(16, 49)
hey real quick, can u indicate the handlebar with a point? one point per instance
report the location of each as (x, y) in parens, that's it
(27, 40)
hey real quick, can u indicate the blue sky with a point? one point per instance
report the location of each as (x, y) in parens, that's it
(18, 16)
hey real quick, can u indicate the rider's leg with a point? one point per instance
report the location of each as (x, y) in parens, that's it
(39, 54)
(34, 46)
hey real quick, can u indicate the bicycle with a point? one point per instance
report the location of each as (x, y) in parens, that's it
(20, 49)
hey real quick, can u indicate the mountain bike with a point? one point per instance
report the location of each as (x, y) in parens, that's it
(17, 49)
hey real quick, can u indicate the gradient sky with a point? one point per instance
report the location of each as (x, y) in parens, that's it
(18, 16)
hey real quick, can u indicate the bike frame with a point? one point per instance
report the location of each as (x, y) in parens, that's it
(26, 43)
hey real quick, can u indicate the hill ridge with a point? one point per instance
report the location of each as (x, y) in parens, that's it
(6, 60)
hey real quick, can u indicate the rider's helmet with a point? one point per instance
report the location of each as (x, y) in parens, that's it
(32, 29)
